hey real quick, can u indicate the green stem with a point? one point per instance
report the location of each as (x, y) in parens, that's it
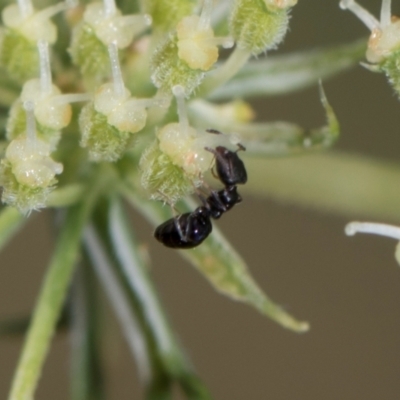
(116, 292)
(225, 72)
(86, 373)
(52, 296)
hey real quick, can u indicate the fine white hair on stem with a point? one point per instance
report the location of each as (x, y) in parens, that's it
(386, 14)
(374, 228)
(365, 16)
(205, 16)
(30, 122)
(25, 7)
(45, 70)
(179, 94)
(109, 7)
(119, 87)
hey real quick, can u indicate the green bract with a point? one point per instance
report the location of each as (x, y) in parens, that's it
(89, 54)
(16, 125)
(167, 13)
(257, 28)
(18, 55)
(103, 141)
(391, 67)
(24, 198)
(169, 70)
(164, 180)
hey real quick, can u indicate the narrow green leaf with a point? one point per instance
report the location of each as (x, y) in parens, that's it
(11, 221)
(218, 261)
(347, 184)
(87, 380)
(273, 139)
(66, 195)
(153, 319)
(287, 73)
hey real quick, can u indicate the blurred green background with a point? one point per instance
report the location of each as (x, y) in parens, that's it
(347, 288)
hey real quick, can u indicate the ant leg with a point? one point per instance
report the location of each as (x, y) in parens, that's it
(178, 228)
(241, 147)
(214, 131)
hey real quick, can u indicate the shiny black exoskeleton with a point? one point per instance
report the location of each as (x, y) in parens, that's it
(222, 201)
(230, 168)
(186, 230)
(190, 229)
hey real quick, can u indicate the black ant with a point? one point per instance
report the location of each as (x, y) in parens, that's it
(188, 230)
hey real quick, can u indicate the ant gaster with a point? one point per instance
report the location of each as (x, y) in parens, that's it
(186, 230)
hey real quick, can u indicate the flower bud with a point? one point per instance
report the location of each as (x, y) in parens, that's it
(102, 26)
(166, 14)
(169, 70)
(384, 43)
(27, 173)
(163, 179)
(24, 27)
(16, 126)
(104, 141)
(257, 26)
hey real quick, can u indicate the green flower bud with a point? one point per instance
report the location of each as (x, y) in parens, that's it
(167, 13)
(16, 126)
(89, 53)
(169, 70)
(24, 28)
(18, 55)
(163, 179)
(104, 141)
(99, 29)
(27, 173)
(383, 50)
(256, 27)
(23, 197)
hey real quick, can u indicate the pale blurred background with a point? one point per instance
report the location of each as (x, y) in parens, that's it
(348, 288)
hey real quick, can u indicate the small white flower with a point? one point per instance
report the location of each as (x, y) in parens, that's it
(385, 34)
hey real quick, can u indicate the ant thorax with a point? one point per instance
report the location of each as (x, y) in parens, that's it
(186, 147)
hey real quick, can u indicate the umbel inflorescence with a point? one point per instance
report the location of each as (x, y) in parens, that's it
(133, 100)
(104, 117)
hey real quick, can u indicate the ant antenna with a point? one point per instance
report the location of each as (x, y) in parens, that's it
(179, 94)
(119, 87)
